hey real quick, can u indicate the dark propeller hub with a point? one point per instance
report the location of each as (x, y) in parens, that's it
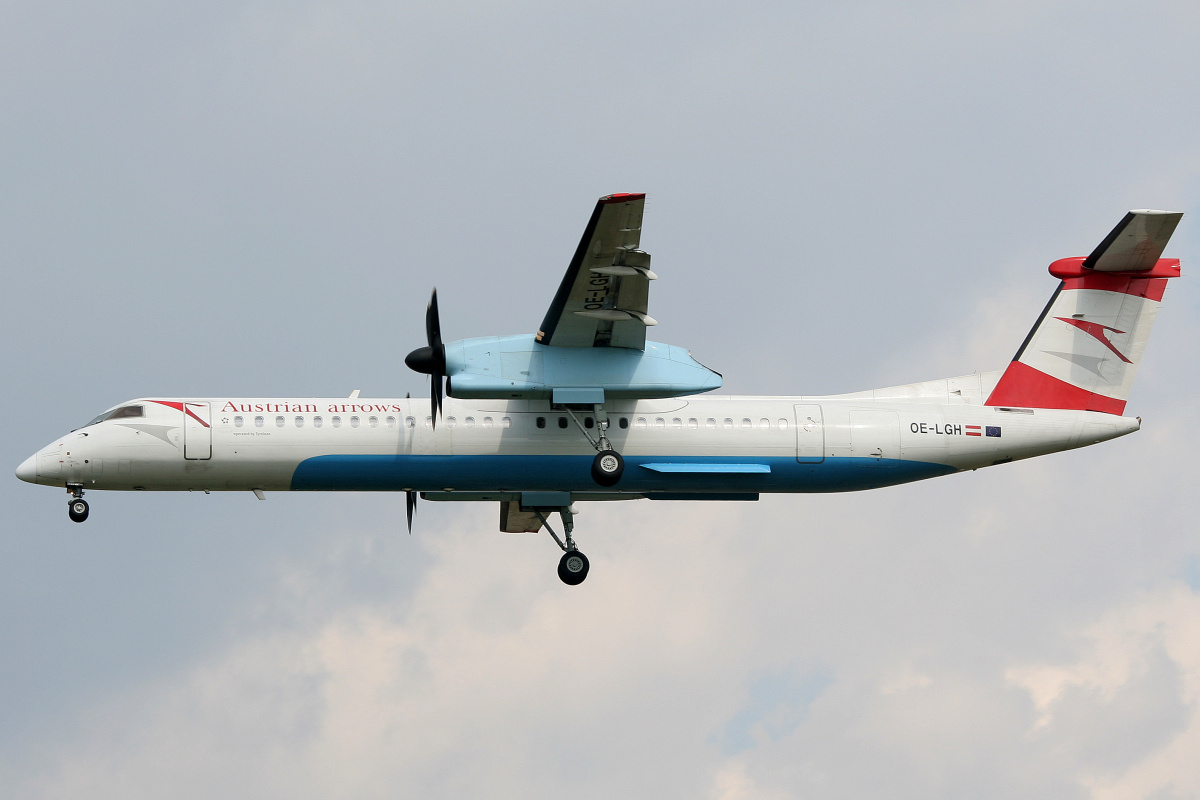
(427, 361)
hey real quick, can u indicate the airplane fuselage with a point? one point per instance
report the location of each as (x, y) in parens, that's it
(718, 447)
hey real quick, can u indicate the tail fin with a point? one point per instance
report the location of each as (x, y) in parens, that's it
(1084, 351)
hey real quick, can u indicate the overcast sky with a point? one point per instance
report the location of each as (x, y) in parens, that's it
(255, 198)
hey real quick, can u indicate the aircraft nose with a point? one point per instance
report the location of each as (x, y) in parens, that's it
(28, 469)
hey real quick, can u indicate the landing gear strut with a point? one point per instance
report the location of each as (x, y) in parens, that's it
(573, 566)
(608, 466)
(77, 507)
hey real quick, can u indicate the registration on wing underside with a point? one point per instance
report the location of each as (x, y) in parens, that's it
(603, 298)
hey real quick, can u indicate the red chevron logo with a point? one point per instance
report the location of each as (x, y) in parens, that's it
(1097, 331)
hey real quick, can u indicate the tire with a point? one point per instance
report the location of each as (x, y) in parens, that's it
(573, 567)
(77, 510)
(607, 467)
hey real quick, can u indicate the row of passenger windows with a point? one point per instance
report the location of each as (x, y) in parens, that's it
(641, 423)
(372, 422)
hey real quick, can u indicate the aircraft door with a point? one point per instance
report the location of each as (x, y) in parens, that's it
(810, 435)
(197, 432)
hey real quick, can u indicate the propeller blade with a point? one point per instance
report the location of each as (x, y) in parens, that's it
(431, 359)
(433, 324)
(410, 500)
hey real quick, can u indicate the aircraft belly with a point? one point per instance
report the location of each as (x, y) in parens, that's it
(643, 474)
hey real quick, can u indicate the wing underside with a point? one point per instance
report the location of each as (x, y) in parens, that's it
(603, 299)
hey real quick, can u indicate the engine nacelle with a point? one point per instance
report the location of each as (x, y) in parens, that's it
(518, 367)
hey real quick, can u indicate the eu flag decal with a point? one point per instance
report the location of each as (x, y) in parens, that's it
(993, 430)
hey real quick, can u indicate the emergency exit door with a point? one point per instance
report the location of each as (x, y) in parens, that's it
(197, 432)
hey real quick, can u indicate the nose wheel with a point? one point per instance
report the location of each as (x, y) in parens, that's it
(77, 507)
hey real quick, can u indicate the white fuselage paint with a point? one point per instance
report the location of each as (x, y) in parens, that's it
(807, 444)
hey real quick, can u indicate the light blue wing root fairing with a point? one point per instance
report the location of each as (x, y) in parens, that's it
(594, 334)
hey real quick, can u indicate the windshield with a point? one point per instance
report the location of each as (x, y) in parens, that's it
(123, 412)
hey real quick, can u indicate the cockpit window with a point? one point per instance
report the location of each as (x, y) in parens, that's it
(124, 412)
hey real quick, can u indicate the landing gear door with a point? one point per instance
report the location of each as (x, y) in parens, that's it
(197, 432)
(810, 435)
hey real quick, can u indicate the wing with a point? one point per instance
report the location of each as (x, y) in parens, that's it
(602, 299)
(1136, 243)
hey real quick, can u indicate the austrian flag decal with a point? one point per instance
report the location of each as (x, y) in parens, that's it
(973, 430)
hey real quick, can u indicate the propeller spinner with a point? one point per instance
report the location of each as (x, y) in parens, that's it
(431, 359)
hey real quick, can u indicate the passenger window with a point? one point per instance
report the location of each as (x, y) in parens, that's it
(562, 422)
(660, 423)
(765, 424)
(677, 423)
(541, 422)
(237, 422)
(728, 423)
(623, 423)
(588, 422)
(279, 421)
(469, 422)
(391, 422)
(710, 423)
(692, 423)
(451, 422)
(318, 422)
(410, 422)
(373, 422)
(746, 423)
(429, 422)
(506, 422)
(299, 422)
(337, 421)
(641, 422)
(487, 422)
(782, 424)
(354, 422)
(258, 422)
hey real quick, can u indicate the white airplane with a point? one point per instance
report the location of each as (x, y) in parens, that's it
(528, 411)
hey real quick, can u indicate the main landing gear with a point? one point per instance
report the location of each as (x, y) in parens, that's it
(573, 566)
(77, 507)
(608, 466)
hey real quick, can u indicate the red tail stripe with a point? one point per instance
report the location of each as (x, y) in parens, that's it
(1023, 386)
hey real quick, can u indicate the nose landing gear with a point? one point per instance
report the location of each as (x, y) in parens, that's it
(77, 507)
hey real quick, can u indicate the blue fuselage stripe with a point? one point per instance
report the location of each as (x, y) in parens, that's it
(525, 473)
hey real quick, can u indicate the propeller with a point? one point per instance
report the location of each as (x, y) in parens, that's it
(431, 360)
(410, 499)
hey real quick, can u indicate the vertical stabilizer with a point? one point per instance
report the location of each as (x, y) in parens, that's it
(1083, 352)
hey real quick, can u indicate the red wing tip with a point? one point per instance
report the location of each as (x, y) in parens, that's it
(622, 197)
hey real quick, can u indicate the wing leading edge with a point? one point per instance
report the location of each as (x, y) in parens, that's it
(602, 300)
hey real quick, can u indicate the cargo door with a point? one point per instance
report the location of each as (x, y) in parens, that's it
(810, 435)
(197, 432)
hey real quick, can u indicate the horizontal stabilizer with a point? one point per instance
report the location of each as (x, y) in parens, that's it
(1136, 243)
